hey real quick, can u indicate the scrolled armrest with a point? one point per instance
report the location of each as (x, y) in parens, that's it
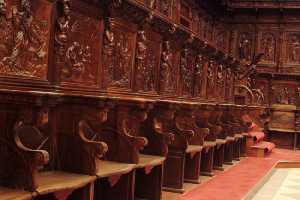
(40, 157)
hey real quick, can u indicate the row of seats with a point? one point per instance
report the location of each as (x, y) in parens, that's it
(118, 148)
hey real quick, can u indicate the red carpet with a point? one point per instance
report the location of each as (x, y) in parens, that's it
(236, 182)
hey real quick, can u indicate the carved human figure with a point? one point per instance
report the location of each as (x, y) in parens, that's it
(228, 84)
(294, 49)
(220, 81)
(3, 7)
(268, 47)
(185, 71)
(210, 77)
(165, 6)
(152, 4)
(108, 54)
(141, 55)
(199, 74)
(63, 25)
(5, 30)
(245, 47)
(166, 67)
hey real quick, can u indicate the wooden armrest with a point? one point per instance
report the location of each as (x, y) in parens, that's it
(40, 157)
(187, 134)
(139, 142)
(101, 147)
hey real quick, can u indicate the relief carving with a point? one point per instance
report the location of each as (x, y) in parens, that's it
(293, 48)
(210, 78)
(220, 81)
(268, 47)
(220, 40)
(166, 70)
(74, 55)
(229, 84)
(117, 56)
(186, 72)
(146, 61)
(165, 7)
(24, 40)
(199, 74)
(245, 47)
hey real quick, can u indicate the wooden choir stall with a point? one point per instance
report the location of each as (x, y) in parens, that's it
(115, 99)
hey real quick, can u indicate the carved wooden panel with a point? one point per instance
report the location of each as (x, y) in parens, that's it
(186, 71)
(165, 7)
(210, 82)
(245, 46)
(229, 82)
(118, 54)
(267, 46)
(261, 91)
(220, 82)
(283, 92)
(221, 37)
(147, 59)
(168, 68)
(292, 47)
(199, 74)
(77, 56)
(25, 31)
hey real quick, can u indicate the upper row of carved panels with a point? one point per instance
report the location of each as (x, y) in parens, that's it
(282, 49)
(78, 48)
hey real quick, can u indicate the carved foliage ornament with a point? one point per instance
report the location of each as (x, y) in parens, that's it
(24, 40)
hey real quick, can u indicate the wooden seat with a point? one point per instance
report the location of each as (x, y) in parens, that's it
(12, 194)
(110, 168)
(149, 161)
(54, 181)
(193, 149)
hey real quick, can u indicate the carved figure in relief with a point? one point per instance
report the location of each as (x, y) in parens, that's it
(108, 52)
(228, 83)
(78, 57)
(165, 6)
(294, 49)
(199, 73)
(24, 42)
(166, 67)
(245, 47)
(141, 56)
(210, 77)
(63, 25)
(185, 71)
(268, 47)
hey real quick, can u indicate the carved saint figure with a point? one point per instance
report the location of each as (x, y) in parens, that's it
(108, 54)
(245, 47)
(166, 68)
(185, 71)
(268, 47)
(228, 85)
(141, 55)
(210, 77)
(152, 4)
(294, 49)
(199, 73)
(220, 80)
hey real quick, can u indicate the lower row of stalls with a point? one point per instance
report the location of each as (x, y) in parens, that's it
(62, 147)
(207, 136)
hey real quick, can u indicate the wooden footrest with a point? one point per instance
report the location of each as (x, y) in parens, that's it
(55, 181)
(110, 168)
(11, 194)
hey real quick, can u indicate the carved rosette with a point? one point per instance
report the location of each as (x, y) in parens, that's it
(24, 33)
